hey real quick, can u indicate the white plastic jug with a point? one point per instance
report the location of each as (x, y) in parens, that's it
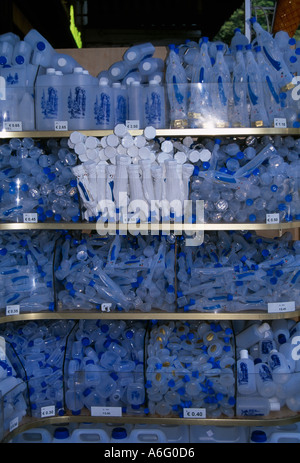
(218, 434)
(147, 435)
(33, 436)
(284, 437)
(89, 436)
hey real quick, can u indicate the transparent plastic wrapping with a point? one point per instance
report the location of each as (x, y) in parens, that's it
(115, 273)
(26, 273)
(190, 369)
(239, 272)
(36, 181)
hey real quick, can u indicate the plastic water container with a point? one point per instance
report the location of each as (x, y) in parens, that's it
(285, 437)
(62, 436)
(89, 436)
(103, 106)
(218, 434)
(33, 436)
(148, 435)
(48, 100)
(174, 434)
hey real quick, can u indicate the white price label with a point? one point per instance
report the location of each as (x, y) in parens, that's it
(129, 219)
(12, 310)
(106, 411)
(272, 218)
(194, 413)
(60, 126)
(133, 125)
(13, 424)
(280, 122)
(12, 126)
(48, 411)
(280, 307)
(106, 306)
(30, 217)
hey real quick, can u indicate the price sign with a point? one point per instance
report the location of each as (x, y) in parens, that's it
(12, 310)
(281, 307)
(280, 122)
(48, 411)
(106, 411)
(194, 413)
(129, 219)
(30, 217)
(12, 126)
(133, 125)
(13, 424)
(60, 126)
(272, 218)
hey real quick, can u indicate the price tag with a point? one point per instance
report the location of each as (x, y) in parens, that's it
(30, 217)
(280, 122)
(13, 424)
(133, 125)
(194, 413)
(280, 307)
(129, 219)
(12, 310)
(106, 306)
(48, 411)
(12, 126)
(60, 126)
(106, 411)
(272, 218)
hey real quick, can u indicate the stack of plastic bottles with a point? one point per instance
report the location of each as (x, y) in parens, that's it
(246, 181)
(211, 85)
(139, 175)
(105, 366)
(26, 272)
(152, 178)
(36, 178)
(115, 273)
(13, 392)
(236, 271)
(191, 364)
(268, 368)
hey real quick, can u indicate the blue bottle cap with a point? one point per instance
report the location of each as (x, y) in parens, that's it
(119, 433)
(41, 46)
(281, 338)
(3, 60)
(20, 59)
(258, 436)
(61, 433)
(239, 47)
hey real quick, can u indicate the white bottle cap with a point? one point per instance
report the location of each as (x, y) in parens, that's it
(132, 151)
(194, 156)
(150, 132)
(120, 130)
(91, 142)
(263, 328)
(61, 62)
(167, 146)
(244, 354)
(116, 84)
(131, 55)
(112, 140)
(140, 141)
(103, 81)
(144, 152)
(50, 71)
(274, 404)
(146, 66)
(115, 72)
(180, 157)
(78, 70)
(205, 155)
(110, 151)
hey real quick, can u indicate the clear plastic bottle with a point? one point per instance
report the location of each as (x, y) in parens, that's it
(253, 334)
(155, 115)
(256, 406)
(279, 367)
(221, 89)
(264, 380)
(246, 384)
(103, 106)
(48, 100)
(177, 88)
(240, 116)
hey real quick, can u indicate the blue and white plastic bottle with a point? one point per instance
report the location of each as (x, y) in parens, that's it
(21, 54)
(200, 106)
(177, 89)
(246, 384)
(222, 89)
(258, 113)
(240, 116)
(155, 114)
(136, 101)
(135, 54)
(42, 49)
(238, 39)
(48, 100)
(78, 98)
(272, 54)
(120, 99)
(103, 113)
